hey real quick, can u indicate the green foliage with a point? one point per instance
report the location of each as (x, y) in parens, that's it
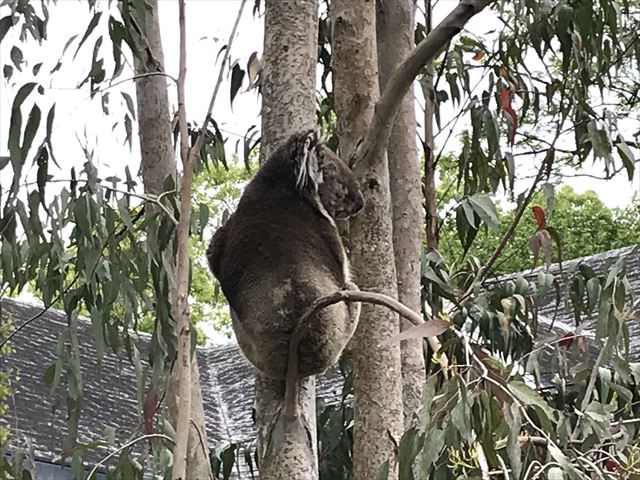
(585, 224)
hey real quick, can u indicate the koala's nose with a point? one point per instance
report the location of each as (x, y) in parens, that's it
(359, 201)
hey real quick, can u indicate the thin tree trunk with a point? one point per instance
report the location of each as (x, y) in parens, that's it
(431, 206)
(395, 24)
(288, 106)
(158, 163)
(377, 372)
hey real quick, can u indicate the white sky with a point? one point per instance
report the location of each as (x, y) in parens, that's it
(209, 24)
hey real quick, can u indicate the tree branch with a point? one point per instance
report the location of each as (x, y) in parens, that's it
(386, 108)
(326, 301)
(180, 306)
(124, 447)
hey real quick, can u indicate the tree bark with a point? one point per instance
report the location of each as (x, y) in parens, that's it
(394, 25)
(289, 71)
(377, 372)
(158, 163)
(287, 450)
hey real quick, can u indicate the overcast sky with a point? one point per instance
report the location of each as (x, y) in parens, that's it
(209, 24)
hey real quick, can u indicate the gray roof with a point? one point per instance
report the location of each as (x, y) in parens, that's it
(110, 398)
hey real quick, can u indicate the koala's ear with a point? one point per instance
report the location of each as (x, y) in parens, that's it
(308, 173)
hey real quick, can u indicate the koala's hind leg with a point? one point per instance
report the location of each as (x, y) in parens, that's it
(291, 403)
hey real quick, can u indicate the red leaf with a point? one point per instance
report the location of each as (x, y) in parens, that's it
(610, 465)
(538, 213)
(505, 106)
(478, 56)
(567, 339)
(149, 410)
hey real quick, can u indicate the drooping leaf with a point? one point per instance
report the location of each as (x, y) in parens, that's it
(92, 25)
(33, 122)
(505, 106)
(237, 75)
(17, 58)
(5, 24)
(627, 157)
(253, 69)
(430, 328)
(538, 213)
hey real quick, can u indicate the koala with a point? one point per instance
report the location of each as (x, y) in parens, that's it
(280, 250)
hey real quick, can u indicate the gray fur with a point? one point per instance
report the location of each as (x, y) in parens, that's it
(281, 250)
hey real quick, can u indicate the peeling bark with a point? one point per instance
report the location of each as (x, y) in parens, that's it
(377, 373)
(287, 450)
(395, 24)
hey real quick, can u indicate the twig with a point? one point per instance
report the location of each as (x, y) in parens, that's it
(125, 446)
(136, 77)
(180, 304)
(205, 451)
(506, 236)
(387, 106)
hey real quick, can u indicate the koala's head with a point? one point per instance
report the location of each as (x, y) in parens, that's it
(325, 180)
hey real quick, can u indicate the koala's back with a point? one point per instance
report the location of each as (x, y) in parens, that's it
(273, 258)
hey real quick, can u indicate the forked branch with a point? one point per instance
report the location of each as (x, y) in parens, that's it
(377, 139)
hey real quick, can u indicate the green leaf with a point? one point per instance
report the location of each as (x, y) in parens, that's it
(564, 462)
(407, 454)
(433, 444)
(528, 396)
(50, 118)
(123, 208)
(593, 293)
(17, 58)
(98, 333)
(7, 72)
(383, 471)
(627, 157)
(129, 102)
(486, 210)
(30, 131)
(5, 24)
(36, 68)
(92, 25)
(563, 31)
(237, 74)
(514, 422)
(49, 374)
(204, 217)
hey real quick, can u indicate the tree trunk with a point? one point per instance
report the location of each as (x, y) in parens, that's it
(377, 372)
(431, 206)
(158, 163)
(287, 450)
(395, 24)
